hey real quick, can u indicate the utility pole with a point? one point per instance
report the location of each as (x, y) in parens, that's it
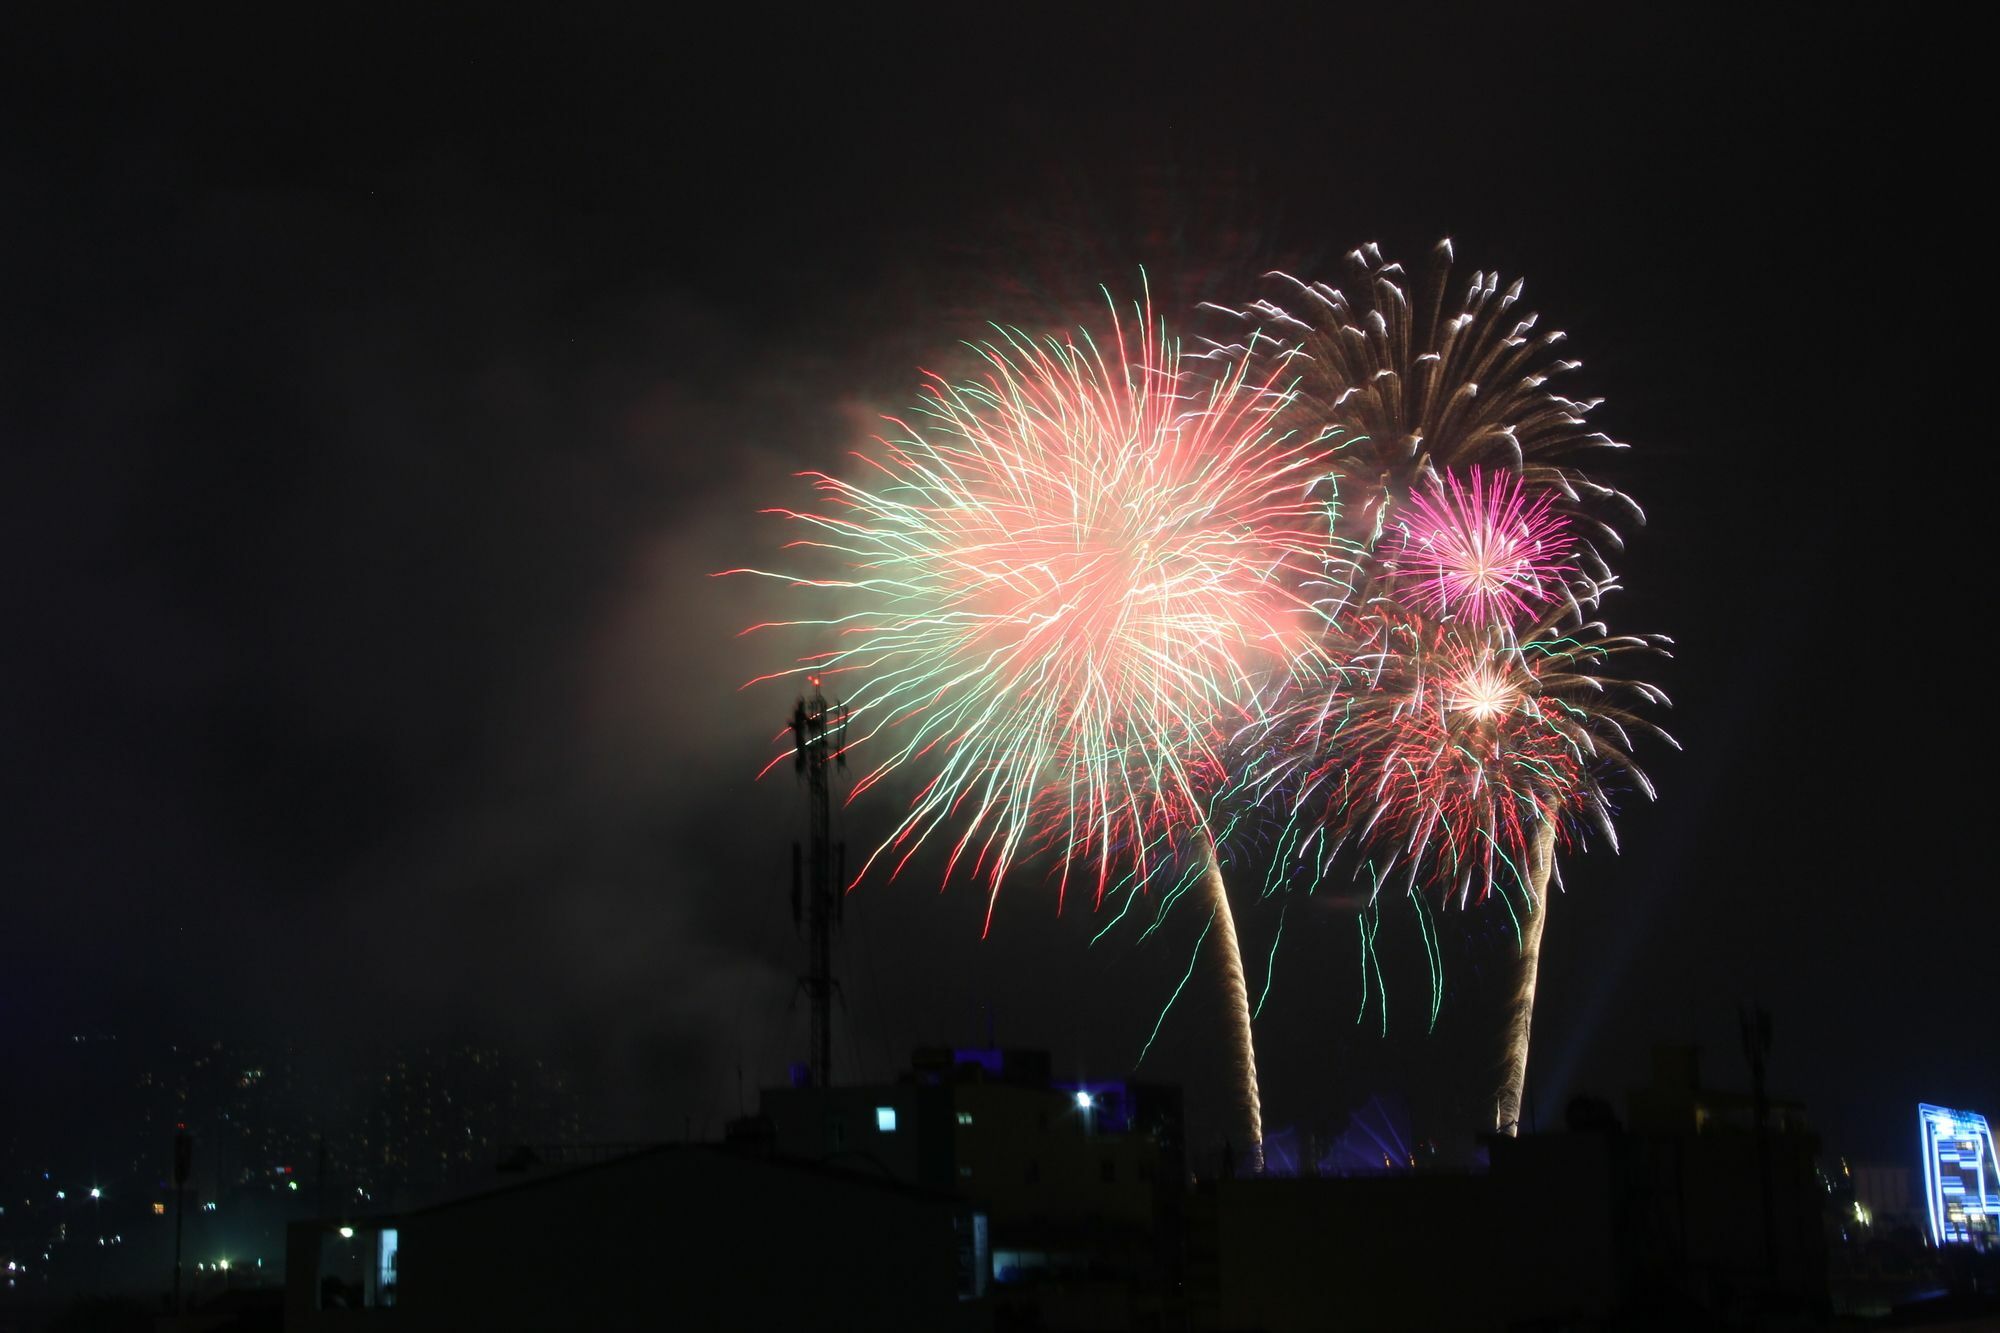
(819, 739)
(183, 1164)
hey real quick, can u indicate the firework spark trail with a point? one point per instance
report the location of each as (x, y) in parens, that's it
(1237, 992)
(1454, 757)
(1064, 584)
(1521, 1004)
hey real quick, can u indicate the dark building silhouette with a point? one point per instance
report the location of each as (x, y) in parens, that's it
(979, 1192)
(668, 1237)
(1678, 1215)
(1080, 1181)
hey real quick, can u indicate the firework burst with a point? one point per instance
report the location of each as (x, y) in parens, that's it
(1064, 583)
(1455, 757)
(1063, 578)
(1484, 551)
(1417, 385)
(1470, 725)
(1463, 742)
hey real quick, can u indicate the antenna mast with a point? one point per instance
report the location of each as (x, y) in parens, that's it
(817, 740)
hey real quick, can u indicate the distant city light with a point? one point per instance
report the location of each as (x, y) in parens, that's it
(96, 1193)
(1082, 1100)
(885, 1119)
(965, 1117)
(224, 1265)
(291, 1184)
(347, 1233)
(61, 1195)
(159, 1210)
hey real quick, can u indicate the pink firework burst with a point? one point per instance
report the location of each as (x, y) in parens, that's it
(1484, 551)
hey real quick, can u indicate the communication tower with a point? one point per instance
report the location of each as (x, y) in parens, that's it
(819, 740)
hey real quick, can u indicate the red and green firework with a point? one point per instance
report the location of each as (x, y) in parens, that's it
(1058, 585)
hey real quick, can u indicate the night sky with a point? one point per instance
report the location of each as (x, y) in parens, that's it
(378, 398)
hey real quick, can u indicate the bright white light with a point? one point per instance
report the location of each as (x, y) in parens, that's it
(885, 1119)
(1082, 1100)
(1484, 693)
(291, 1184)
(225, 1265)
(347, 1233)
(96, 1193)
(61, 1195)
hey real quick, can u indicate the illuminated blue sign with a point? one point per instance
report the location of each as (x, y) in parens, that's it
(1961, 1176)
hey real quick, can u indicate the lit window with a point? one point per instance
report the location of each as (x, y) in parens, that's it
(159, 1210)
(965, 1117)
(885, 1119)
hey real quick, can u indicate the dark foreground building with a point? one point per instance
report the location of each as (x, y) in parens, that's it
(1075, 1183)
(979, 1193)
(679, 1236)
(1690, 1216)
